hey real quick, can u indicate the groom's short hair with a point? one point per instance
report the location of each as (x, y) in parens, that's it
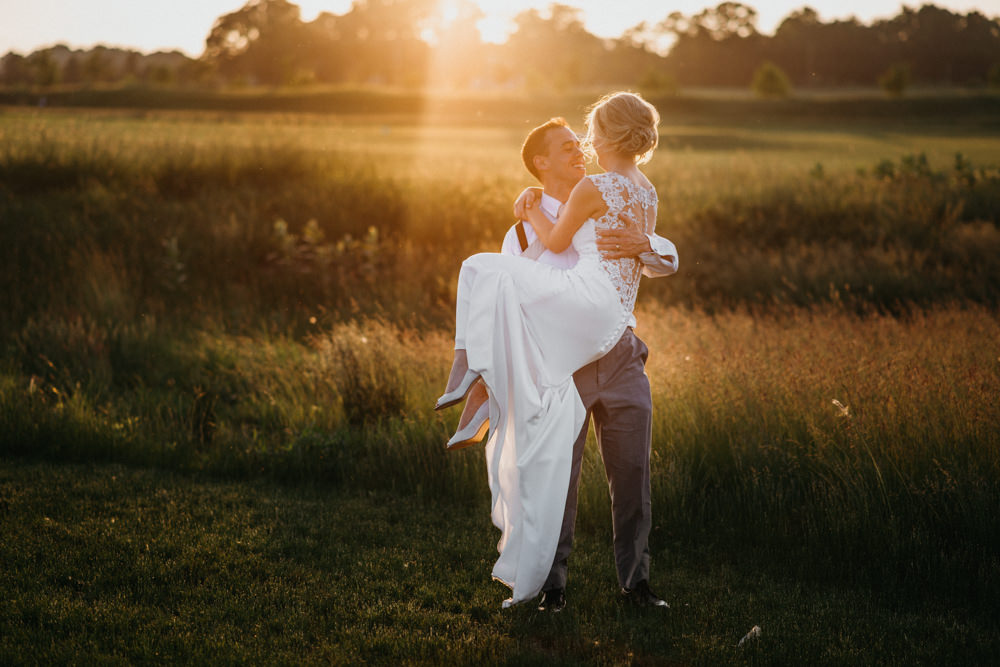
(536, 143)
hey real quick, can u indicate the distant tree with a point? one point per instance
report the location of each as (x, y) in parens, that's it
(377, 41)
(895, 80)
(265, 40)
(839, 53)
(132, 69)
(717, 46)
(648, 36)
(980, 46)
(631, 63)
(770, 81)
(727, 20)
(15, 70)
(44, 69)
(405, 42)
(72, 72)
(993, 76)
(330, 48)
(97, 66)
(554, 50)
(941, 47)
(160, 75)
(195, 72)
(798, 41)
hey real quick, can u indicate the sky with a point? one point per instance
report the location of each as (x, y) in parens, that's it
(184, 24)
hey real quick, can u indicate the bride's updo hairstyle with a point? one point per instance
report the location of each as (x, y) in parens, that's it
(627, 122)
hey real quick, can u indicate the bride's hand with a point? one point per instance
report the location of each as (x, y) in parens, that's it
(527, 200)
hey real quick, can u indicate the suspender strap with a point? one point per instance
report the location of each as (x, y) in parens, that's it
(521, 237)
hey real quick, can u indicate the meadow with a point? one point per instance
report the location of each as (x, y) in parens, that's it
(252, 311)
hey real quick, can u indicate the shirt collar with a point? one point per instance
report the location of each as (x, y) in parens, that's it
(550, 205)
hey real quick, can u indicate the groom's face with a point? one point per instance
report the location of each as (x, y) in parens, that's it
(565, 160)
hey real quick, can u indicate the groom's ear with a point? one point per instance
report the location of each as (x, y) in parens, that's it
(541, 162)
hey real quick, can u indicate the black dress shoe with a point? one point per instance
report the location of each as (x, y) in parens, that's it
(642, 596)
(553, 600)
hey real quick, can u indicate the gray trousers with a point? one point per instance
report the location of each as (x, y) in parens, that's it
(615, 391)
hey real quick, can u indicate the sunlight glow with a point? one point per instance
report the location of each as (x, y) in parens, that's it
(495, 28)
(611, 19)
(313, 8)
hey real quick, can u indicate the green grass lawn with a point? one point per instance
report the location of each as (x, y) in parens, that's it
(112, 564)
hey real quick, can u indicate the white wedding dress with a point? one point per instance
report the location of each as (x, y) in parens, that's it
(526, 328)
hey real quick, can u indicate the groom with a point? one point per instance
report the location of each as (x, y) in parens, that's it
(614, 389)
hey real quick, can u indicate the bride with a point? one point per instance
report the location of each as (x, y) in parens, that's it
(524, 328)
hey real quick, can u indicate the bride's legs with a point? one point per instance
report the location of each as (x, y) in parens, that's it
(459, 365)
(458, 376)
(475, 419)
(460, 381)
(463, 297)
(476, 398)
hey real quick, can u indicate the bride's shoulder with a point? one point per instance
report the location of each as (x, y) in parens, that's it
(586, 197)
(603, 179)
(586, 189)
(605, 183)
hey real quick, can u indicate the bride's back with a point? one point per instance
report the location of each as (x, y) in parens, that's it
(630, 206)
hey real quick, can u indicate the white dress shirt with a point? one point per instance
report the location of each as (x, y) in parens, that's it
(511, 246)
(656, 263)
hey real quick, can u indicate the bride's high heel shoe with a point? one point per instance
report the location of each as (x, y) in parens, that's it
(472, 432)
(458, 394)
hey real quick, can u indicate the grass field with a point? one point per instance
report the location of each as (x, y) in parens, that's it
(223, 331)
(107, 564)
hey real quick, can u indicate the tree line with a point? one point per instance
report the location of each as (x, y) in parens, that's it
(409, 43)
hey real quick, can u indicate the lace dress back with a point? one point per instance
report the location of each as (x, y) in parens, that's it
(630, 206)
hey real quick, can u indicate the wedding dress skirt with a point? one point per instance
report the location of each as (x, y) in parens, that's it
(526, 328)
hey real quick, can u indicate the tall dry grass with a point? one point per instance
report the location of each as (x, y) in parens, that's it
(863, 443)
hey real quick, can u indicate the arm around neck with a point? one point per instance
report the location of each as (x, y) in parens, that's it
(584, 202)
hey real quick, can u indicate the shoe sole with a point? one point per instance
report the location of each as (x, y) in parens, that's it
(474, 440)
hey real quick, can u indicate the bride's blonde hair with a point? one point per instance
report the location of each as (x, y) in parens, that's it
(627, 122)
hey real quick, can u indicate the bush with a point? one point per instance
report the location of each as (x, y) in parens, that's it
(895, 80)
(771, 81)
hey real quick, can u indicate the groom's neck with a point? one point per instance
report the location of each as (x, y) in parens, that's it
(558, 190)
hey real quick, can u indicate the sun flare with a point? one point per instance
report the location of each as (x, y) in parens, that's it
(496, 23)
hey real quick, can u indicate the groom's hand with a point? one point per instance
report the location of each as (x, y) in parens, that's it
(622, 243)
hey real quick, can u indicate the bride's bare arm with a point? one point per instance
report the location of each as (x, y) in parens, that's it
(528, 198)
(584, 202)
